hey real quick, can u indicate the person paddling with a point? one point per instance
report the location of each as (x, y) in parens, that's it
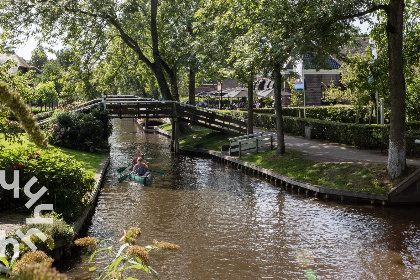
(134, 161)
(141, 167)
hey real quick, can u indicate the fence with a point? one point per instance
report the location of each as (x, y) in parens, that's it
(251, 143)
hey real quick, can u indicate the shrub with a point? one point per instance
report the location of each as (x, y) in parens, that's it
(337, 113)
(65, 178)
(59, 230)
(80, 131)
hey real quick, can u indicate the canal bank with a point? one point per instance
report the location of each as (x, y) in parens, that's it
(405, 192)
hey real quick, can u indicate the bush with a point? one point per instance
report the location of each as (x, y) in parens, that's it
(80, 131)
(58, 231)
(337, 113)
(44, 115)
(65, 178)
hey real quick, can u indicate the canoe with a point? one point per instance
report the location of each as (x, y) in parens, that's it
(146, 179)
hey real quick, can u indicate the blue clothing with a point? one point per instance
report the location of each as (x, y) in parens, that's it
(140, 171)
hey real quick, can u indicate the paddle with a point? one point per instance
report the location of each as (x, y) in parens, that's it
(121, 169)
(122, 178)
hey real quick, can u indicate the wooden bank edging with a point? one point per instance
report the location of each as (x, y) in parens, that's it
(289, 183)
(60, 246)
(99, 176)
(284, 181)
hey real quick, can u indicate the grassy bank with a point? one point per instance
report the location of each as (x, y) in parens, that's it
(91, 160)
(372, 178)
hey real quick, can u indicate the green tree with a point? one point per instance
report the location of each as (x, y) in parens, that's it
(356, 77)
(393, 13)
(38, 57)
(45, 93)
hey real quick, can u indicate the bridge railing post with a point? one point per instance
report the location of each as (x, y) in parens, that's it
(104, 101)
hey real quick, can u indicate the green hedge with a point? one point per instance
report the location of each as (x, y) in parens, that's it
(342, 113)
(65, 178)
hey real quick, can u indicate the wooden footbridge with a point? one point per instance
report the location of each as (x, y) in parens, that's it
(130, 106)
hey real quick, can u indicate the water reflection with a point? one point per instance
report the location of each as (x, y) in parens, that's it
(232, 226)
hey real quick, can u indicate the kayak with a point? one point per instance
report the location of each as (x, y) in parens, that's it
(146, 179)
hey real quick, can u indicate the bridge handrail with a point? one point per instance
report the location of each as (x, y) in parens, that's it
(93, 101)
(171, 102)
(210, 110)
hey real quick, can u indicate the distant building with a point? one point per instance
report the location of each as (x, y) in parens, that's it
(314, 81)
(22, 66)
(213, 85)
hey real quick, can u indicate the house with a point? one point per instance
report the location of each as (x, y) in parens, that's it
(313, 82)
(21, 66)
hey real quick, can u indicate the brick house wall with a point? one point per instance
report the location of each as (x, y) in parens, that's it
(314, 86)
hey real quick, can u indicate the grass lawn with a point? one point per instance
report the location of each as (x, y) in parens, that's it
(204, 138)
(91, 160)
(372, 178)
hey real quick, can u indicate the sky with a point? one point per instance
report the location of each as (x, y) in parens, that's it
(26, 49)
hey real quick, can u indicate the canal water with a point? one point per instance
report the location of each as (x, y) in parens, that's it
(233, 226)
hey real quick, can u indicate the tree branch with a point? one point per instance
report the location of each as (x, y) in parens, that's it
(363, 13)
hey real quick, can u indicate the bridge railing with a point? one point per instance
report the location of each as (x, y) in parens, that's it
(141, 108)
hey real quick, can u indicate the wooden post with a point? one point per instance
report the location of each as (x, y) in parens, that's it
(146, 123)
(175, 132)
(271, 138)
(104, 101)
(173, 135)
(256, 143)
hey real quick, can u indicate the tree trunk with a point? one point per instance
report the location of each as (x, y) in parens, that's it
(174, 83)
(250, 123)
(191, 87)
(157, 65)
(281, 149)
(397, 146)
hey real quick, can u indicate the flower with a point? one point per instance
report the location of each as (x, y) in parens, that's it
(18, 166)
(86, 241)
(139, 252)
(165, 245)
(136, 231)
(131, 235)
(40, 271)
(37, 153)
(30, 157)
(31, 257)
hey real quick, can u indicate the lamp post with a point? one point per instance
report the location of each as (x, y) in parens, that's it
(220, 87)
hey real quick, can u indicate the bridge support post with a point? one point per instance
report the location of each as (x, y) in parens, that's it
(146, 122)
(175, 136)
(104, 101)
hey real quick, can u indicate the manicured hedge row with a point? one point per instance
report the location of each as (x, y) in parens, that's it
(343, 114)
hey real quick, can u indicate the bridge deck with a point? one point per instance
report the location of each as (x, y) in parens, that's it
(128, 106)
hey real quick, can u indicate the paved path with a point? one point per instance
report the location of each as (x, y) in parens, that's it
(336, 152)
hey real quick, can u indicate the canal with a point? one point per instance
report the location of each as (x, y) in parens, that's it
(233, 226)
